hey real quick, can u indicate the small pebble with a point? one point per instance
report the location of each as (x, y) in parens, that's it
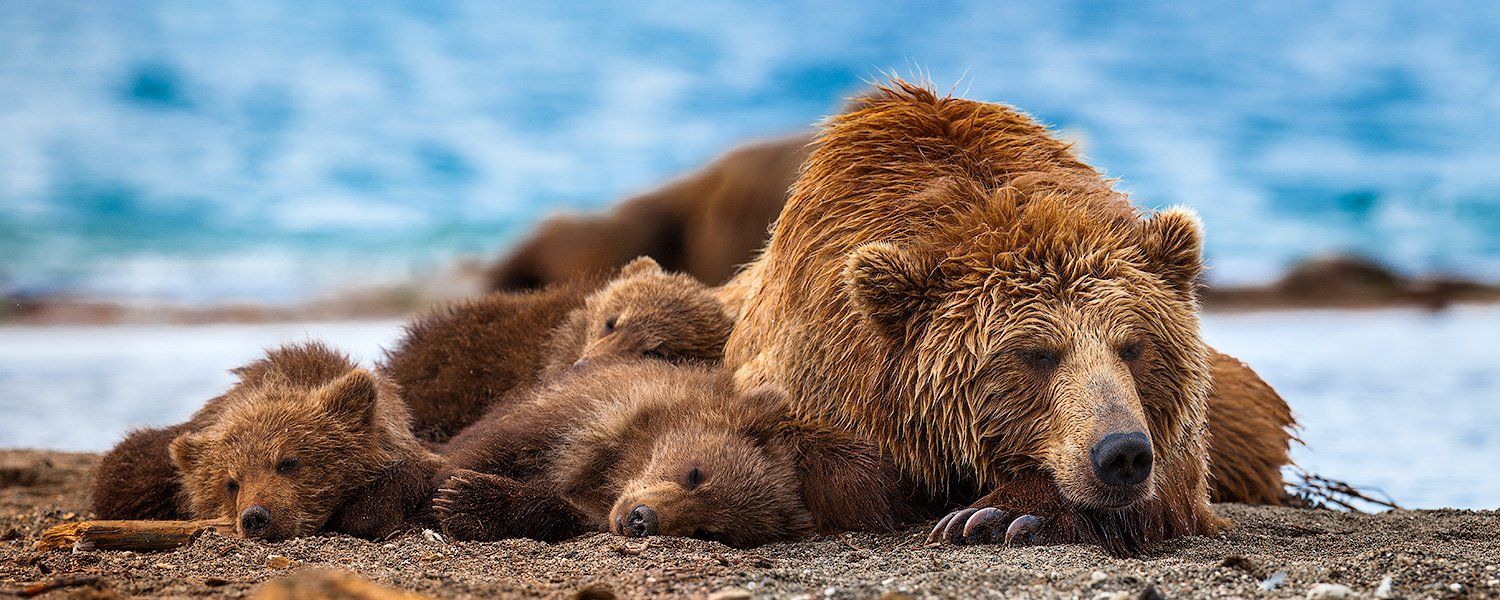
(829, 591)
(1329, 591)
(1114, 596)
(730, 593)
(1457, 587)
(433, 536)
(1384, 591)
(389, 546)
(1098, 576)
(277, 561)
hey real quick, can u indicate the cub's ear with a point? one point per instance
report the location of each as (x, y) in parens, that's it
(188, 450)
(1173, 243)
(351, 399)
(888, 284)
(642, 265)
(763, 410)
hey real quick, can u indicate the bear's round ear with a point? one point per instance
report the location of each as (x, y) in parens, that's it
(187, 450)
(888, 284)
(351, 399)
(764, 409)
(642, 265)
(1173, 244)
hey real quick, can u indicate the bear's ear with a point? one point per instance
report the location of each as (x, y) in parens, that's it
(351, 399)
(764, 409)
(188, 449)
(888, 284)
(642, 265)
(1173, 243)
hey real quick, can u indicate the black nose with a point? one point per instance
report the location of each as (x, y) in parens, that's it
(255, 521)
(641, 522)
(1122, 459)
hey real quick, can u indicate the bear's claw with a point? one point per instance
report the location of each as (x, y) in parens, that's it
(985, 525)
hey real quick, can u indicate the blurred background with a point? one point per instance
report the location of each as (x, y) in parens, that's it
(275, 153)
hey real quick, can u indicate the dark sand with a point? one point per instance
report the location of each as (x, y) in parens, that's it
(1426, 553)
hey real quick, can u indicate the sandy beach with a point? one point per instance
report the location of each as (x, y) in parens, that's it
(1271, 553)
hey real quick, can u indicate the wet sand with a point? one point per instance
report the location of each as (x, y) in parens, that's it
(1425, 553)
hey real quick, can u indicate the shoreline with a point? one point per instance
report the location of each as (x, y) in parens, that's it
(1424, 552)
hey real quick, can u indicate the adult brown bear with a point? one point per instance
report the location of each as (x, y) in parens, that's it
(953, 281)
(704, 224)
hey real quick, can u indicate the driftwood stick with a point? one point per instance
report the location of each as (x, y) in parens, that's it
(143, 536)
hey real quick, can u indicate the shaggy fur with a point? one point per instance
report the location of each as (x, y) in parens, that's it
(1250, 432)
(456, 362)
(581, 452)
(968, 293)
(704, 224)
(319, 443)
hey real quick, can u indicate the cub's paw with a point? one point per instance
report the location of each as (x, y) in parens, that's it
(987, 525)
(472, 506)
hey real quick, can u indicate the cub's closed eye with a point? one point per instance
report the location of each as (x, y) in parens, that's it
(694, 478)
(232, 486)
(287, 465)
(610, 323)
(1039, 358)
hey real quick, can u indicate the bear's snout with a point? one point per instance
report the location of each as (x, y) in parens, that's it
(641, 521)
(255, 521)
(1122, 459)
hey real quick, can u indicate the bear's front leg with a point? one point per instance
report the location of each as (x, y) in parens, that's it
(482, 507)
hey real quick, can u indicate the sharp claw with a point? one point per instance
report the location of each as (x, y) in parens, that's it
(1025, 529)
(954, 532)
(937, 530)
(984, 525)
(447, 491)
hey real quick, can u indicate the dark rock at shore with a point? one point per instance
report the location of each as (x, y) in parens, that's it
(1344, 281)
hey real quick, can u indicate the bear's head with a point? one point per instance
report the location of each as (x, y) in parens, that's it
(647, 312)
(1038, 333)
(281, 457)
(727, 474)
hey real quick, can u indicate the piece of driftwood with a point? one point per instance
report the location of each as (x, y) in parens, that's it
(141, 536)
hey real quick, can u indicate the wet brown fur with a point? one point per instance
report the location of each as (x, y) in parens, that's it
(583, 450)
(1250, 431)
(704, 224)
(929, 248)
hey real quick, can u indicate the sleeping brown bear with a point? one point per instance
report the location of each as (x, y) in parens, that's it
(643, 447)
(454, 362)
(306, 441)
(951, 281)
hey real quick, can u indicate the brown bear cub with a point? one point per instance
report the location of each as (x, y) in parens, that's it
(645, 447)
(305, 442)
(455, 362)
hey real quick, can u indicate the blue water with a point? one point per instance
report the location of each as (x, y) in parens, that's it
(268, 149)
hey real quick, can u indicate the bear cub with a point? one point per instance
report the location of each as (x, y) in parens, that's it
(454, 363)
(306, 441)
(644, 447)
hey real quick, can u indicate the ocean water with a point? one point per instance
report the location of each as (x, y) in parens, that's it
(1403, 401)
(270, 149)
